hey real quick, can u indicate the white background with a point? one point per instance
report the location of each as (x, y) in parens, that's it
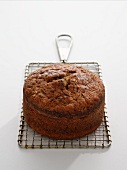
(27, 33)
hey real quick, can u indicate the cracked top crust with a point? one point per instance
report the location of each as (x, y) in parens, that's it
(64, 90)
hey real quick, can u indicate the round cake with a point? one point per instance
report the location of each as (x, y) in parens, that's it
(63, 101)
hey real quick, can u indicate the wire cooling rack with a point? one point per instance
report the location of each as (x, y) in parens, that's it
(27, 138)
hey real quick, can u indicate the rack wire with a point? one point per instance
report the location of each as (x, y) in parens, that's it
(27, 138)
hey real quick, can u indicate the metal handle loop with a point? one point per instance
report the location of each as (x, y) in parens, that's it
(64, 51)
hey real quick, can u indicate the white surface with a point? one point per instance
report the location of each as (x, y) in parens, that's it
(27, 33)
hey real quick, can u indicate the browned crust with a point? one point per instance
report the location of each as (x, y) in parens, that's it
(62, 128)
(64, 90)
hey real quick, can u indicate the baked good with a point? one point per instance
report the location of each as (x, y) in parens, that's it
(63, 101)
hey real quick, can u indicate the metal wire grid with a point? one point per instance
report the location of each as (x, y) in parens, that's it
(27, 138)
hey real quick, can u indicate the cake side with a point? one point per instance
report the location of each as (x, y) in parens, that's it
(62, 128)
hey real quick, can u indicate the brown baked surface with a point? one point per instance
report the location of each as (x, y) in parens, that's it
(63, 101)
